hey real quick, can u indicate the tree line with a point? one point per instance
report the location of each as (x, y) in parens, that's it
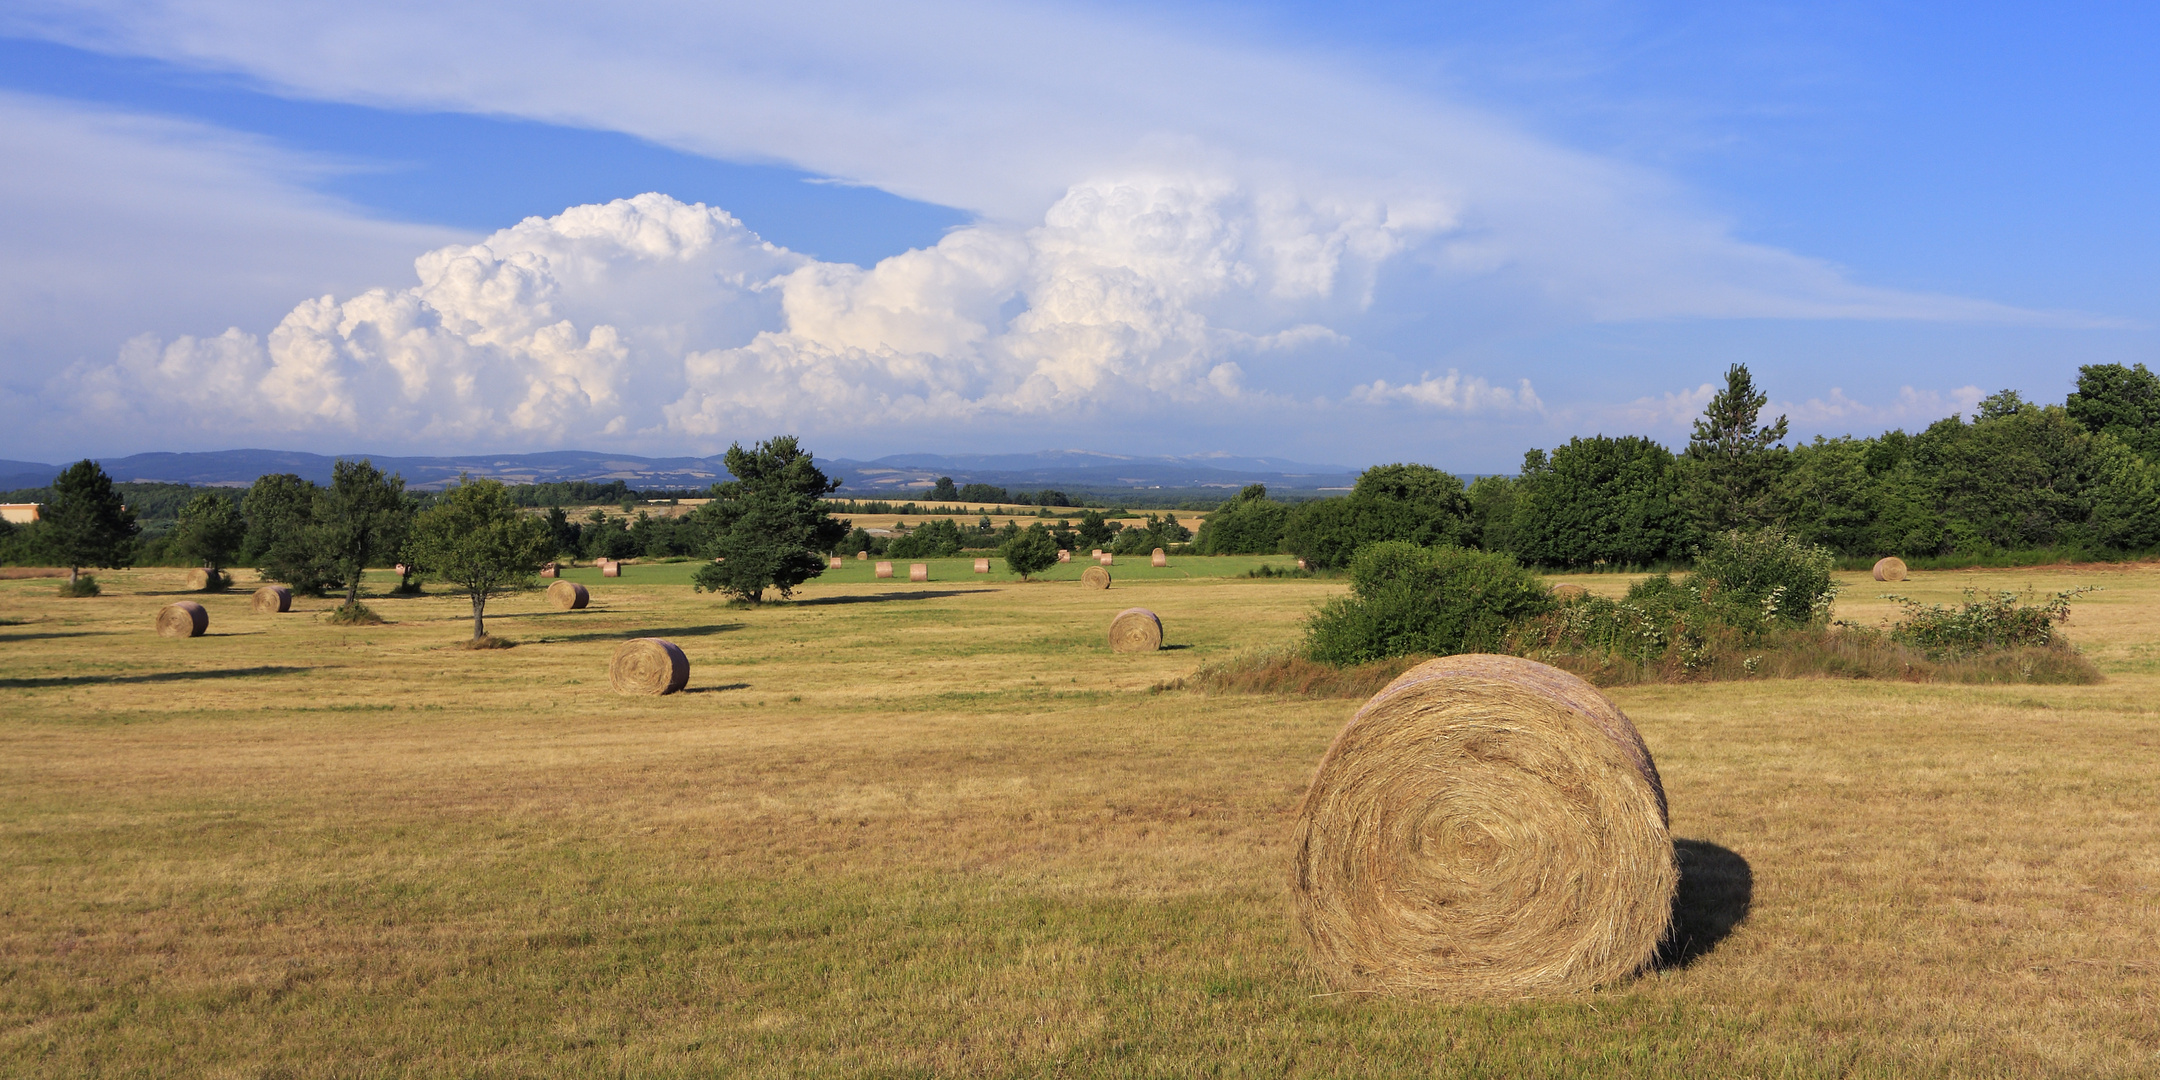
(2080, 476)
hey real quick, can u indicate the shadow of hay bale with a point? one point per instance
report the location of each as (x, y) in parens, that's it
(1717, 887)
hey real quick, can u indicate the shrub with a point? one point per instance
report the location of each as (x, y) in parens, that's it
(354, 613)
(1983, 622)
(1408, 599)
(1765, 575)
(83, 585)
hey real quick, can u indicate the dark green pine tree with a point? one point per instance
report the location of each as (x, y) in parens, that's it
(1734, 463)
(85, 524)
(769, 527)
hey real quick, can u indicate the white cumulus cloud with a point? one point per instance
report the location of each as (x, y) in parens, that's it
(648, 319)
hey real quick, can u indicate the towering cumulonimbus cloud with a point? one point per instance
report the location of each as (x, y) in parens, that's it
(649, 316)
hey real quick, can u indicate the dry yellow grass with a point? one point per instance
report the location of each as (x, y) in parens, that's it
(906, 830)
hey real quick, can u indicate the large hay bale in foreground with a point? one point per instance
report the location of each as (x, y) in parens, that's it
(271, 600)
(185, 618)
(1095, 577)
(568, 595)
(1136, 629)
(1568, 591)
(1158, 558)
(1891, 568)
(648, 665)
(982, 566)
(1485, 827)
(918, 572)
(884, 569)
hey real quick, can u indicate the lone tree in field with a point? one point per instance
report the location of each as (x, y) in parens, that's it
(361, 518)
(85, 524)
(769, 526)
(1733, 462)
(1031, 552)
(209, 534)
(280, 510)
(476, 538)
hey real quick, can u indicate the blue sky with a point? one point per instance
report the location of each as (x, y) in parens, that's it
(1437, 232)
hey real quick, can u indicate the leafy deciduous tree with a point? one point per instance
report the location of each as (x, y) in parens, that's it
(476, 538)
(1031, 552)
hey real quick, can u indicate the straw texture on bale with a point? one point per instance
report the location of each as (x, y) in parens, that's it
(982, 566)
(1890, 569)
(884, 569)
(648, 665)
(1568, 590)
(183, 619)
(1158, 558)
(1095, 577)
(1485, 827)
(569, 595)
(1136, 629)
(611, 568)
(271, 600)
(861, 555)
(918, 572)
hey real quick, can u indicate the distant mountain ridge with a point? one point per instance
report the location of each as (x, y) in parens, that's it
(1077, 470)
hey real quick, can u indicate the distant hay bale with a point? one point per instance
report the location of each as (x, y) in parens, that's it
(884, 569)
(918, 572)
(1135, 629)
(648, 665)
(1301, 565)
(861, 555)
(982, 566)
(185, 618)
(1157, 558)
(834, 563)
(1890, 569)
(201, 579)
(551, 570)
(1485, 827)
(568, 595)
(1097, 553)
(611, 568)
(271, 600)
(1106, 560)
(1568, 591)
(1095, 577)
(1064, 555)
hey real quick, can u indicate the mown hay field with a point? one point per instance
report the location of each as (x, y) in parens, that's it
(935, 830)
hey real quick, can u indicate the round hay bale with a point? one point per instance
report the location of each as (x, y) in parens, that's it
(918, 572)
(1136, 629)
(568, 595)
(611, 568)
(201, 579)
(1157, 558)
(982, 566)
(186, 618)
(648, 665)
(1301, 565)
(1064, 555)
(1095, 577)
(1097, 553)
(1568, 591)
(834, 563)
(1485, 827)
(861, 555)
(551, 570)
(1891, 568)
(1106, 560)
(884, 569)
(271, 600)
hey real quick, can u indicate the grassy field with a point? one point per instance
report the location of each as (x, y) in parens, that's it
(936, 830)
